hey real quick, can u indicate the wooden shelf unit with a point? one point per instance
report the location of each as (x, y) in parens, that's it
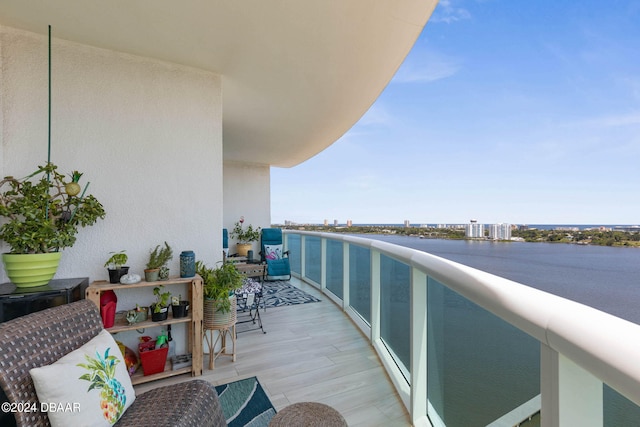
(194, 321)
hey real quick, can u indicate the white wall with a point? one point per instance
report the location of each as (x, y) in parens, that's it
(147, 135)
(246, 193)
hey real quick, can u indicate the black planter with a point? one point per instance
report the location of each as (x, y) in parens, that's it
(116, 274)
(180, 310)
(162, 315)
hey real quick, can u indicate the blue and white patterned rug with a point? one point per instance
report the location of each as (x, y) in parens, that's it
(244, 403)
(281, 293)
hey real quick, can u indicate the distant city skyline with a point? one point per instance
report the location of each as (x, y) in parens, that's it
(405, 223)
(520, 112)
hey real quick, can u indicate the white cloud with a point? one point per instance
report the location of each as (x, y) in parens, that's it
(446, 12)
(378, 114)
(426, 66)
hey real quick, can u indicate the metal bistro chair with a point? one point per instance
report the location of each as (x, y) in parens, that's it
(249, 298)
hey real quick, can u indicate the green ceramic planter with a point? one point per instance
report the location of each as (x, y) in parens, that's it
(31, 270)
(151, 275)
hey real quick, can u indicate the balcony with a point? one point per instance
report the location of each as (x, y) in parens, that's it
(311, 352)
(464, 347)
(414, 339)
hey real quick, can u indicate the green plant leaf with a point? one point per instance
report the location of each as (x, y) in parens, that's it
(41, 217)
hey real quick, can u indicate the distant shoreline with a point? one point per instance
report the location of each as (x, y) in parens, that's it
(451, 224)
(571, 234)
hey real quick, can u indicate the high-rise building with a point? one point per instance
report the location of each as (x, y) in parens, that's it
(349, 223)
(335, 222)
(500, 231)
(407, 223)
(326, 222)
(474, 230)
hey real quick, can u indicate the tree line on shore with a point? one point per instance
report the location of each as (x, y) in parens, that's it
(583, 237)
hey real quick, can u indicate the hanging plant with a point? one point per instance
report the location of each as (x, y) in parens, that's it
(43, 216)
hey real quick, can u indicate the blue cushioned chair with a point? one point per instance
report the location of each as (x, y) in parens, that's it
(272, 253)
(225, 242)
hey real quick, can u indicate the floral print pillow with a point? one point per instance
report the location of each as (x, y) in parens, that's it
(273, 252)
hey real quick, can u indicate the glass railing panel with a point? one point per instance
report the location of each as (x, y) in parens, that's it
(294, 246)
(360, 281)
(312, 258)
(618, 410)
(480, 368)
(395, 308)
(335, 267)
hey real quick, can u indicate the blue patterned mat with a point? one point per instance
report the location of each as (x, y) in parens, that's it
(281, 293)
(244, 403)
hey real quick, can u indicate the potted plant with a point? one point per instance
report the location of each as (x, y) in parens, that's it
(116, 266)
(218, 285)
(153, 354)
(179, 307)
(244, 236)
(44, 212)
(141, 313)
(137, 315)
(160, 308)
(157, 258)
(163, 274)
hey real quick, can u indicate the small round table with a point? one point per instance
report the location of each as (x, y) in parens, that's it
(308, 414)
(228, 327)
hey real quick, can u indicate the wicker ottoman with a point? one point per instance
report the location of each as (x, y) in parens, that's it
(186, 404)
(308, 414)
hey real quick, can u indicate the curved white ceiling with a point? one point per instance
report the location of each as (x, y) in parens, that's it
(297, 74)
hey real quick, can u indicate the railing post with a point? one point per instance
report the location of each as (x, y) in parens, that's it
(375, 295)
(303, 260)
(419, 352)
(571, 396)
(323, 264)
(345, 275)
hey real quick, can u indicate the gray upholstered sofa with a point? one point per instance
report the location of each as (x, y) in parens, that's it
(42, 338)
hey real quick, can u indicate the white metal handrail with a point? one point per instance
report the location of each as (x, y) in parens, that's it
(605, 347)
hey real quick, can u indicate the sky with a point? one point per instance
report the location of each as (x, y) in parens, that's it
(505, 111)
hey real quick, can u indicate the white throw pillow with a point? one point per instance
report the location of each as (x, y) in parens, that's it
(273, 252)
(89, 386)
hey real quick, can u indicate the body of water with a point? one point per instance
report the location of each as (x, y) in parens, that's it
(603, 277)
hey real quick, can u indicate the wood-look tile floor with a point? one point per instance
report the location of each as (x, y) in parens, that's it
(311, 352)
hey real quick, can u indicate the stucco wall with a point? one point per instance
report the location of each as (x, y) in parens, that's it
(246, 193)
(147, 135)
